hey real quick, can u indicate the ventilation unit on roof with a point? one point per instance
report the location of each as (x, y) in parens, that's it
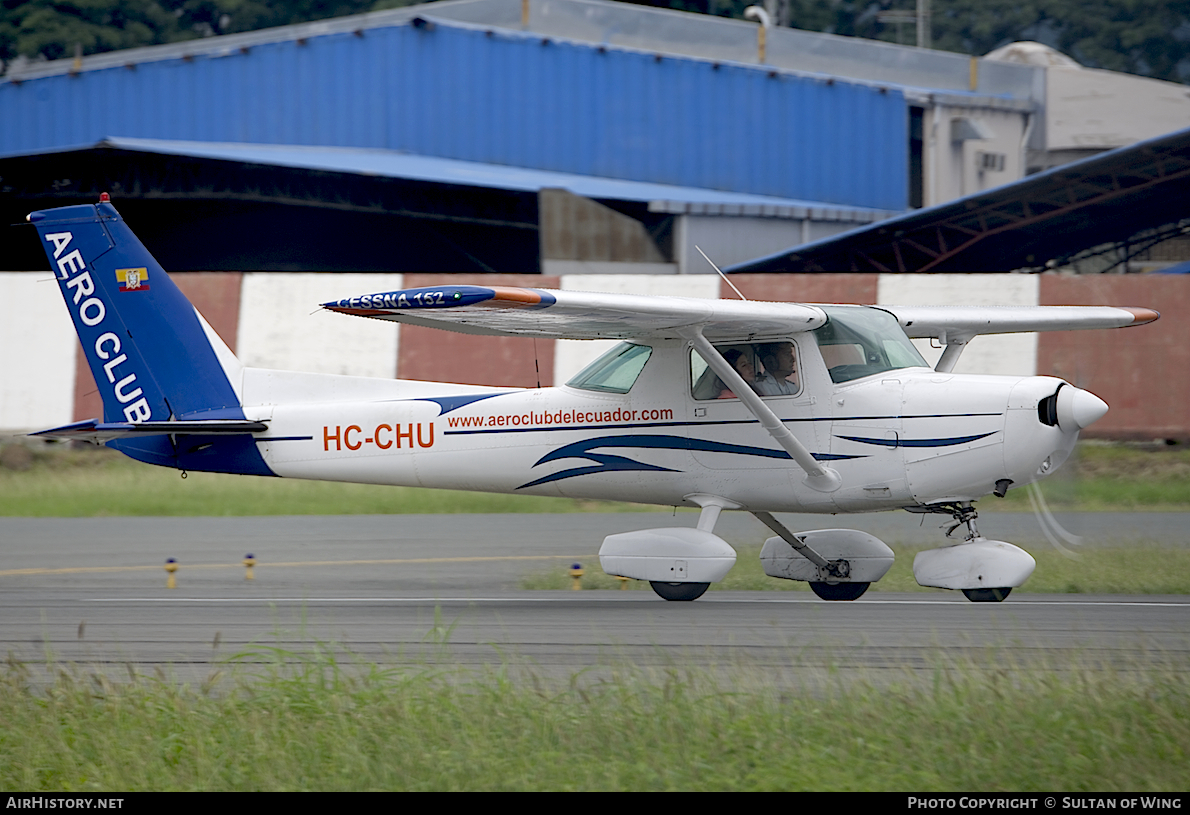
(989, 162)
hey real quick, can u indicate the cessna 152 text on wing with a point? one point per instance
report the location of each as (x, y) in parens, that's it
(737, 405)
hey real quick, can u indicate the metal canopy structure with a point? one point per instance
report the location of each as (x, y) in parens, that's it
(219, 214)
(1119, 202)
(273, 206)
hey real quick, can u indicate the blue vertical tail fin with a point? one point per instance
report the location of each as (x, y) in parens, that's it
(152, 355)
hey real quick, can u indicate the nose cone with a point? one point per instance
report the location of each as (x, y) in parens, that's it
(1079, 409)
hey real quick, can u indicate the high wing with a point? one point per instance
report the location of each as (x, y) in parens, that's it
(554, 314)
(963, 322)
(575, 315)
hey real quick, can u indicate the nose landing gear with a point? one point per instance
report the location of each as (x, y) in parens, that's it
(986, 571)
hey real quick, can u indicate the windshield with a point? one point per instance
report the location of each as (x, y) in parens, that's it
(858, 342)
(614, 372)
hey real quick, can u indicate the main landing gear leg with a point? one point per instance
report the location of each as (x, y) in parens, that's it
(712, 506)
(826, 589)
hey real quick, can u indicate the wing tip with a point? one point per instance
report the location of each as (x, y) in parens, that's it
(1140, 316)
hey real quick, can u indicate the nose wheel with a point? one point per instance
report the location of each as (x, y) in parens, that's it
(987, 595)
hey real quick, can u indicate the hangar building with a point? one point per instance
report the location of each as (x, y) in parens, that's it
(549, 136)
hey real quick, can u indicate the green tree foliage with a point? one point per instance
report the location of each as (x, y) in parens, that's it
(52, 29)
(1146, 37)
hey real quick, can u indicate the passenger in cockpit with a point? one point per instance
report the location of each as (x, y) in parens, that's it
(742, 363)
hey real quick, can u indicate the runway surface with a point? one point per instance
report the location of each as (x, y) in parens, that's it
(442, 590)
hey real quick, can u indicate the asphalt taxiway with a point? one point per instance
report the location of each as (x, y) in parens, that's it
(443, 590)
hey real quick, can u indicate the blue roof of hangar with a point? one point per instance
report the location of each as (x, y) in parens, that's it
(394, 164)
(497, 97)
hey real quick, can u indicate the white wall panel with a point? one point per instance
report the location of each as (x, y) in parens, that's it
(571, 356)
(1088, 108)
(281, 324)
(39, 345)
(1014, 354)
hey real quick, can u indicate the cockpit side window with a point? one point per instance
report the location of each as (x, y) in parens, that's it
(769, 368)
(614, 372)
(858, 342)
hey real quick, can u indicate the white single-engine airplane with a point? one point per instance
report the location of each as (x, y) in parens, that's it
(738, 405)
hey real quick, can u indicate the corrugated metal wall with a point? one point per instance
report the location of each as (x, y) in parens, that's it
(499, 97)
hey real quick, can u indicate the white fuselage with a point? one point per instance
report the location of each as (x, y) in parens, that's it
(910, 436)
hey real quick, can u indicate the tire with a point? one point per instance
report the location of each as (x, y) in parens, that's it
(987, 595)
(679, 591)
(840, 591)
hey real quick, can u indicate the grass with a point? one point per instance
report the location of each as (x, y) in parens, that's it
(88, 482)
(1143, 569)
(60, 480)
(312, 723)
(1114, 477)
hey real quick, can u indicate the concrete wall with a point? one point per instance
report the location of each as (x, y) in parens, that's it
(1143, 373)
(37, 353)
(1003, 354)
(1088, 108)
(950, 166)
(271, 319)
(728, 241)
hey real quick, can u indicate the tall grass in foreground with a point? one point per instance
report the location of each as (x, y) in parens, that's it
(313, 724)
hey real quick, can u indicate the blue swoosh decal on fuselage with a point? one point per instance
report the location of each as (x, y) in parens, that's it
(919, 442)
(607, 462)
(448, 403)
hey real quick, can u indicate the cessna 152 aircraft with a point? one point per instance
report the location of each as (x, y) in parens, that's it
(724, 405)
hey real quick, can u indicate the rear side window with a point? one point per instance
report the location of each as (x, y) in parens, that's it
(614, 372)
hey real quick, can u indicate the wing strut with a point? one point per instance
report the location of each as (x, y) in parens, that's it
(818, 477)
(798, 544)
(953, 345)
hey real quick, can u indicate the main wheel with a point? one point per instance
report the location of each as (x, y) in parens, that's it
(679, 591)
(987, 595)
(840, 591)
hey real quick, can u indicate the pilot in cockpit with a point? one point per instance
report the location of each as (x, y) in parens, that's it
(780, 365)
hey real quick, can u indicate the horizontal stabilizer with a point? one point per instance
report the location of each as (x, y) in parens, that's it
(98, 432)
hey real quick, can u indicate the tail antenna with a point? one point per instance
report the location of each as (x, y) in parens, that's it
(720, 271)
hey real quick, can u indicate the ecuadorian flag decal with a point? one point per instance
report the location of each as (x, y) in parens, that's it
(133, 279)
